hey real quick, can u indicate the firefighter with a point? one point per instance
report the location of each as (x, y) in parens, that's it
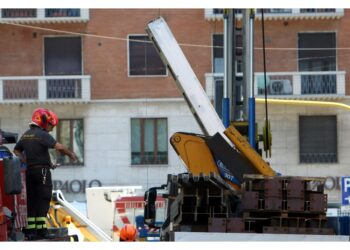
(33, 149)
(128, 233)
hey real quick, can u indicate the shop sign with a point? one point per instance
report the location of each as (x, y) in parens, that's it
(75, 186)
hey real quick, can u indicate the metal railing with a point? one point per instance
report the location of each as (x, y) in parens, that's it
(62, 12)
(275, 11)
(44, 88)
(63, 88)
(318, 157)
(316, 84)
(271, 14)
(18, 13)
(317, 10)
(42, 15)
(20, 89)
(331, 83)
(319, 84)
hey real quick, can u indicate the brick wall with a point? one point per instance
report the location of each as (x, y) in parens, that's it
(284, 34)
(22, 50)
(106, 60)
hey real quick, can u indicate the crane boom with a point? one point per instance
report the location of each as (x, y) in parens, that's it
(227, 145)
(185, 78)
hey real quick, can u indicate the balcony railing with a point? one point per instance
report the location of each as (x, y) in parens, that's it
(305, 85)
(323, 84)
(62, 13)
(44, 15)
(284, 14)
(45, 89)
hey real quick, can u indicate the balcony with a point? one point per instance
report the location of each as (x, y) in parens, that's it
(323, 85)
(307, 85)
(44, 15)
(31, 89)
(281, 14)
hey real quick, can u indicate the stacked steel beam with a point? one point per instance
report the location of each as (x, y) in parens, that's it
(284, 204)
(290, 205)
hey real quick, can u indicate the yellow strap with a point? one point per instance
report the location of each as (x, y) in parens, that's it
(31, 226)
(40, 219)
(41, 226)
(31, 219)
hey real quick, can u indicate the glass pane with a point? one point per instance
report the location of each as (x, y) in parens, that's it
(72, 138)
(162, 140)
(137, 50)
(148, 157)
(311, 59)
(135, 141)
(143, 57)
(63, 56)
(135, 135)
(154, 65)
(218, 53)
(78, 139)
(149, 135)
(64, 138)
(162, 135)
(65, 133)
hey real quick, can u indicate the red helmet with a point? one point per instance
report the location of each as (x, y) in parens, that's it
(128, 233)
(42, 117)
(52, 118)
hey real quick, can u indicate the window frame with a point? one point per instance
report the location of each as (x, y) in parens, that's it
(214, 48)
(142, 141)
(62, 36)
(128, 58)
(335, 145)
(71, 141)
(238, 63)
(317, 32)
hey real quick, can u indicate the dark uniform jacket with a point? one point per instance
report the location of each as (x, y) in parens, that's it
(35, 143)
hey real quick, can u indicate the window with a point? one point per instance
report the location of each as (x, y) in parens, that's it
(143, 57)
(317, 53)
(318, 139)
(63, 56)
(149, 141)
(69, 132)
(218, 52)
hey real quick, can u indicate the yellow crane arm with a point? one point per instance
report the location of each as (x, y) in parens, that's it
(244, 147)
